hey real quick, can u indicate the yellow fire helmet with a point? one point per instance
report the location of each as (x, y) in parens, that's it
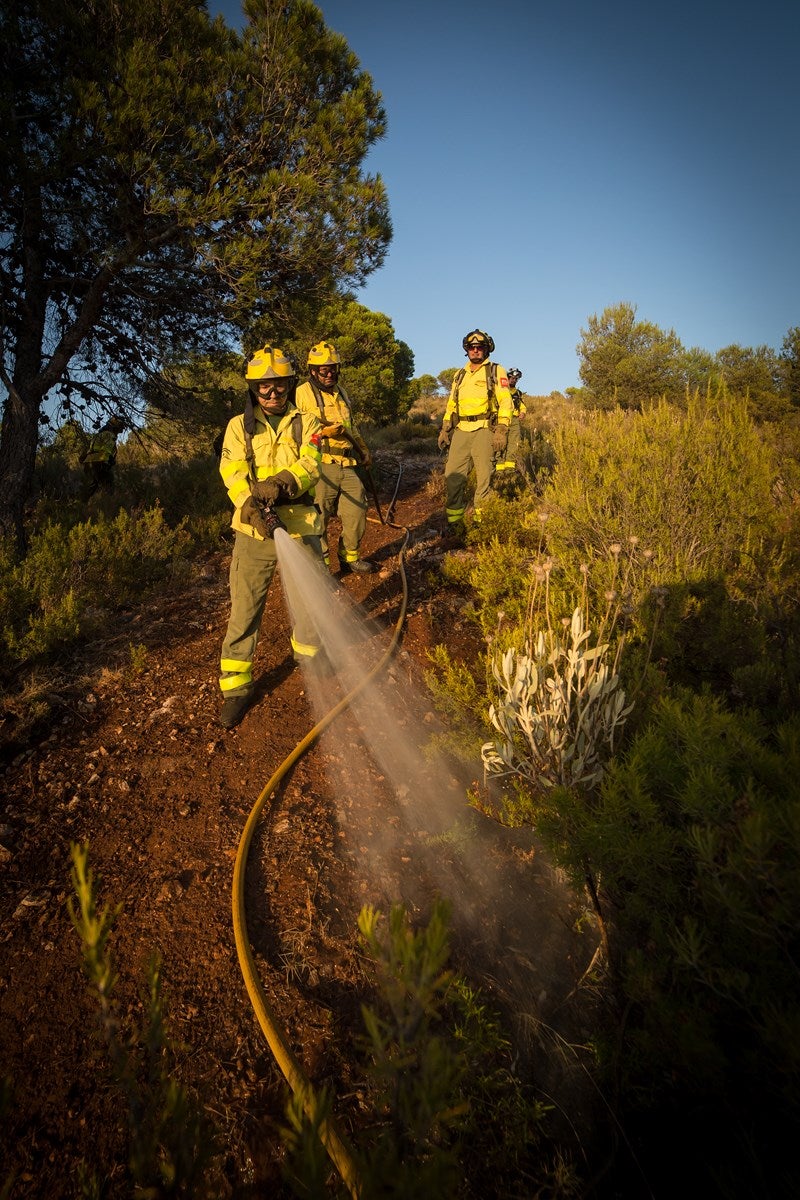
(324, 354)
(269, 363)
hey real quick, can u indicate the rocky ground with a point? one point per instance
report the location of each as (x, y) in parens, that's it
(133, 761)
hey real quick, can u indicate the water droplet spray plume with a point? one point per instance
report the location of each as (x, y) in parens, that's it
(399, 805)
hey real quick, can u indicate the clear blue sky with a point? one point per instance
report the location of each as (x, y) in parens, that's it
(546, 160)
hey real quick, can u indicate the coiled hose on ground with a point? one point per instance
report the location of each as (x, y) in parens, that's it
(340, 1153)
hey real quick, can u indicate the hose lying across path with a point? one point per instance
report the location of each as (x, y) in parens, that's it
(335, 1144)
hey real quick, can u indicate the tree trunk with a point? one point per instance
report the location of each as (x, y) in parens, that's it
(19, 438)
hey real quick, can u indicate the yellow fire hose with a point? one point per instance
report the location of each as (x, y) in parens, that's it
(340, 1153)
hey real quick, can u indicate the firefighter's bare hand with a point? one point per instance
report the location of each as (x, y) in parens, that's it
(500, 439)
(444, 439)
(252, 515)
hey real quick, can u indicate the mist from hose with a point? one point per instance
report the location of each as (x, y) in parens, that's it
(401, 808)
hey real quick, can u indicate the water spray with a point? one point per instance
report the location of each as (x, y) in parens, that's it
(338, 1149)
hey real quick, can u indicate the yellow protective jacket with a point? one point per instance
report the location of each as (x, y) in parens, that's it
(469, 406)
(102, 448)
(274, 452)
(518, 404)
(335, 410)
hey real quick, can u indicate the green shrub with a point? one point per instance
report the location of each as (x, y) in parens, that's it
(462, 699)
(171, 1144)
(695, 837)
(698, 491)
(70, 576)
(451, 1117)
(694, 486)
(410, 436)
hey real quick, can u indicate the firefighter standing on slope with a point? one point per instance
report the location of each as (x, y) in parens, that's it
(505, 475)
(270, 464)
(340, 491)
(98, 461)
(475, 426)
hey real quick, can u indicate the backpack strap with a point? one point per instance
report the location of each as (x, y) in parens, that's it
(321, 403)
(318, 397)
(458, 379)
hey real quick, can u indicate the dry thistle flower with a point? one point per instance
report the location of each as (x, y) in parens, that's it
(611, 596)
(584, 568)
(543, 516)
(633, 539)
(647, 554)
(615, 548)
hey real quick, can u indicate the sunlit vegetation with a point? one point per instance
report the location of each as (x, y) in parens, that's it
(650, 572)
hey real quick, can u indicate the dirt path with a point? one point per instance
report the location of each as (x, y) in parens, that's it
(136, 764)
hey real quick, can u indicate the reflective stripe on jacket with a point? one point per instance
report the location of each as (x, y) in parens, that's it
(273, 452)
(471, 398)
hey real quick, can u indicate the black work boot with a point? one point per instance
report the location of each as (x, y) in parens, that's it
(234, 709)
(456, 532)
(362, 566)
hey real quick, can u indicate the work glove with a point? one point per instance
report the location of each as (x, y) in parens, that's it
(332, 431)
(277, 488)
(500, 439)
(253, 515)
(363, 450)
(444, 438)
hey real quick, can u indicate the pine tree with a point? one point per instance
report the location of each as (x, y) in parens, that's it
(166, 180)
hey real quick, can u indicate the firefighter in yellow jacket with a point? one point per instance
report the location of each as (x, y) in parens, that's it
(505, 472)
(340, 491)
(475, 426)
(98, 461)
(270, 464)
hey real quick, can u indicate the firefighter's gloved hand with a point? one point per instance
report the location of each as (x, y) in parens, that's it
(444, 439)
(332, 430)
(277, 488)
(252, 515)
(363, 450)
(288, 484)
(500, 439)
